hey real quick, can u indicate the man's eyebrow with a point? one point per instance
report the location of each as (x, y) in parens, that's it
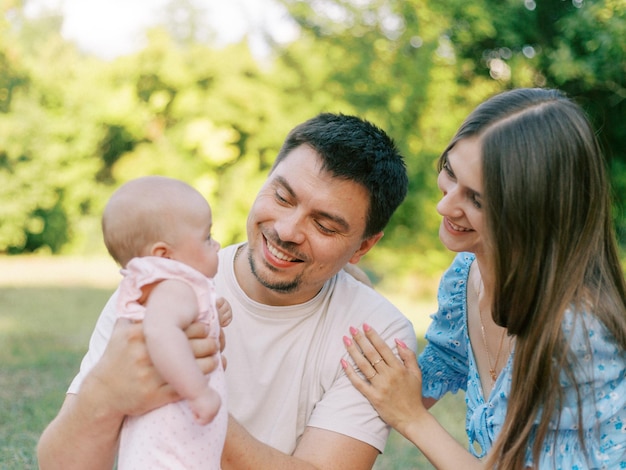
(343, 223)
(283, 182)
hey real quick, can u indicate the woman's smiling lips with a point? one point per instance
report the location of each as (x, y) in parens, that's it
(455, 229)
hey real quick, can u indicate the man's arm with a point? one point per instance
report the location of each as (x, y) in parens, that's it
(124, 382)
(317, 449)
(81, 436)
(84, 433)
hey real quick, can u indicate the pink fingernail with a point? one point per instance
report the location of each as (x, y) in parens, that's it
(344, 364)
(347, 341)
(401, 343)
(367, 328)
(353, 331)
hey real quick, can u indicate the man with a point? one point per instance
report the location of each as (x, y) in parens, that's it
(335, 183)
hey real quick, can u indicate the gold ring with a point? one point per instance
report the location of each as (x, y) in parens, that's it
(372, 376)
(380, 359)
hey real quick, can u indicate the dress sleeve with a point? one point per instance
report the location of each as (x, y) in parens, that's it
(444, 361)
(600, 372)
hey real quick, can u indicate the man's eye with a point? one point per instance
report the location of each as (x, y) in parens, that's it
(279, 197)
(325, 229)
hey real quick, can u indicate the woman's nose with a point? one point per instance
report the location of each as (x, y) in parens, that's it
(448, 205)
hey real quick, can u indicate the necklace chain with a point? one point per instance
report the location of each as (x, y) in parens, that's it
(492, 366)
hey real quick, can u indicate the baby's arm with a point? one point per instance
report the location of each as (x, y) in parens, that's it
(171, 307)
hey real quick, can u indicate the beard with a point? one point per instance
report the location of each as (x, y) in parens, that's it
(284, 287)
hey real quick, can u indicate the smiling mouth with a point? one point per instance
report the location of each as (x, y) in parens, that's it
(279, 254)
(458, 228)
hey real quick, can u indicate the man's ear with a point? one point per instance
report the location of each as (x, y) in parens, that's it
(366, 245)
(161, 249)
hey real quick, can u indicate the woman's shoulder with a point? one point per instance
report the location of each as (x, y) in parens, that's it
(445, 359)
(452, 293)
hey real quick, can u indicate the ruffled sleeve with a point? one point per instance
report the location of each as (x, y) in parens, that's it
(142, 271)
(445, 362)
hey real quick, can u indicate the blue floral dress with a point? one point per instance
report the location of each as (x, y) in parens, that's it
(448, 364)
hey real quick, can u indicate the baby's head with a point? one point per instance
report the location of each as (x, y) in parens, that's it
(159, 216)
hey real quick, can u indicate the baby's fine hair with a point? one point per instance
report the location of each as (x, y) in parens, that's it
(141, 212)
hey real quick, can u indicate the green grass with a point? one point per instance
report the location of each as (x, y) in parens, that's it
(44, 332)
(402, 455)
(450, 410)
(43, 335)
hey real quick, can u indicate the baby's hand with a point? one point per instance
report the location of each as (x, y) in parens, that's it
(224, 311)
(205, 406)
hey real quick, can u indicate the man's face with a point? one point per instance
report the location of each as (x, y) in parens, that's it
(304, 226)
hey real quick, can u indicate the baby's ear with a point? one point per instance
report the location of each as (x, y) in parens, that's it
(160, 249)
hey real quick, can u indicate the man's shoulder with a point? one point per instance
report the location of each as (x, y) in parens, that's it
(349, 288)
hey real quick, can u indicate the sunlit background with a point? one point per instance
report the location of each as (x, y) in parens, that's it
(110, 28)
(96, 92)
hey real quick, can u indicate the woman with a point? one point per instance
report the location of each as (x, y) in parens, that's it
(532, 312)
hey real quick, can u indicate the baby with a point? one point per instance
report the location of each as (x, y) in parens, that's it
(159, 230)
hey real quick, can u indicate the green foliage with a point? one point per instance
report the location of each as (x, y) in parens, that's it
(578, 46)
(73, 127)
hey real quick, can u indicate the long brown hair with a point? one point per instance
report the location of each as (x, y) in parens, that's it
(553, 249)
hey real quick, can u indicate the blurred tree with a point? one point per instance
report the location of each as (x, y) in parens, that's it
(210, 116)
(44, 159)
(389, 62)
(73, 127)
(578, 46)
(417, 68)
(183, 20)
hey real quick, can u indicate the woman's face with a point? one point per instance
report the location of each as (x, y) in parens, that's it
(463, 225)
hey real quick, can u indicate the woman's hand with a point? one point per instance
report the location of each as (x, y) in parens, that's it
(393, 386)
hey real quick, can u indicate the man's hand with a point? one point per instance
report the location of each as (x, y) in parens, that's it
(127, 376)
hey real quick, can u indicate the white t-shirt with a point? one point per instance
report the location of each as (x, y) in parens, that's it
(284, 370)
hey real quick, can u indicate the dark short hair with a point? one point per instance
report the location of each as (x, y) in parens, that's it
(354, 149)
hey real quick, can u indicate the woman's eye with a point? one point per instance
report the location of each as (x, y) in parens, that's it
(445, 167)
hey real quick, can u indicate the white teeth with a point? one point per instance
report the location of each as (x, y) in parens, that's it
(277, 253)
(458, 228)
